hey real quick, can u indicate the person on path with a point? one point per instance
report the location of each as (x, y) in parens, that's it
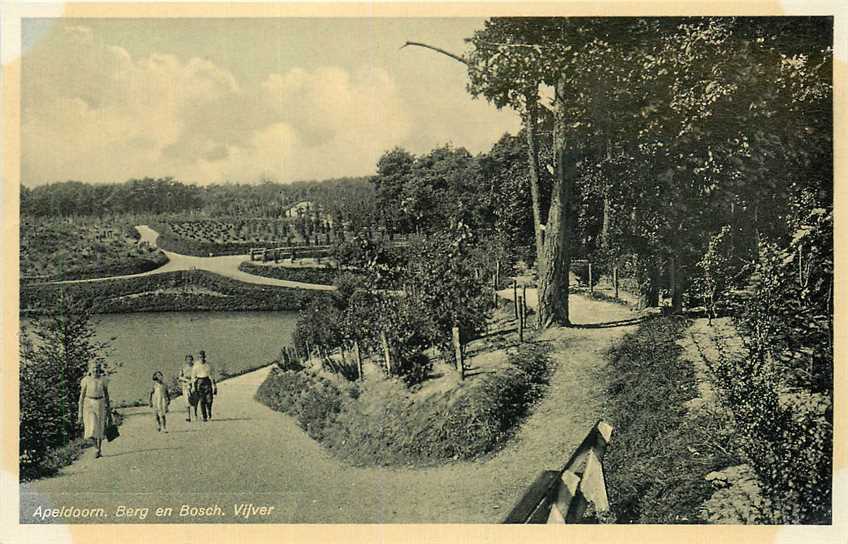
(159, 400)
(204, 385)
(94, 405)
(185, 380)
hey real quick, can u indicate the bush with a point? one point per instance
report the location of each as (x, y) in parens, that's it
(781, 390)
(385, 425)
(717, 272)
(312, 400)
(50, 373)
(325, 276)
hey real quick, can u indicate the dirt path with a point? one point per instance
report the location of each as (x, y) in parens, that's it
(227, 266)
(252, 454)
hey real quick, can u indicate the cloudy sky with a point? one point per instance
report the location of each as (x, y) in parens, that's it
(211, 100)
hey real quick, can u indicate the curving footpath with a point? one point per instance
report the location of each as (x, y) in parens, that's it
(227, 266)
(251, 454)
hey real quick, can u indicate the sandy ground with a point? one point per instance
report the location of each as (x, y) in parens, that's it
(227, 266)
(251, 454)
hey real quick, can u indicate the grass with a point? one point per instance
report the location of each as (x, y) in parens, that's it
(57, 458)
(55, 250)
(655, 469)
(383, 423)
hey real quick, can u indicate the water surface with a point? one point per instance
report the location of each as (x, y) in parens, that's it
(146, 342)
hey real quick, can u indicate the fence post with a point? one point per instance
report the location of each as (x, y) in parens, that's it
(457, 348)
(591, 287)
(615, 280)
(386, 352)
(515, 298)
(521, 323)
(358, 356)
(524, 304)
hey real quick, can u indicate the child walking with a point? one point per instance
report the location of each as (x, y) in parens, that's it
(159, 400)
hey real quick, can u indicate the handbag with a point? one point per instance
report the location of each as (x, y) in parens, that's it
(111, 430)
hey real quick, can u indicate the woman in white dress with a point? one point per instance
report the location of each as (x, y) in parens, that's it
(185, 384)
(94, 405)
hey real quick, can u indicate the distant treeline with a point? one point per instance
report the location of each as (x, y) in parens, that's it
(348, 199)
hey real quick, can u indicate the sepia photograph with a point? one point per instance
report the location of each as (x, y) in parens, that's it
(430, 270)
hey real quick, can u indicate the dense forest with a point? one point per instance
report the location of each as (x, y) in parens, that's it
(346, 198)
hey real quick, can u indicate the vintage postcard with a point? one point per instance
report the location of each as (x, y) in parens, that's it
(450, 266)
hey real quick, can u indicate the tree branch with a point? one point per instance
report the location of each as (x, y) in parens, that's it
(438, 50)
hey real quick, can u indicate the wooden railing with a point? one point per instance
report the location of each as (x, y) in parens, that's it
(562, 496)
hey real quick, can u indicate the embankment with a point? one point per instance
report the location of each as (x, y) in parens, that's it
(185, 290)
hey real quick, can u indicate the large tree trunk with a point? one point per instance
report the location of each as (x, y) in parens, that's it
(530, 122)
(553, 284)
(531, 119)
(553, 280)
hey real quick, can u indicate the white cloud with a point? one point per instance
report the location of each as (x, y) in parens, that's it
(95, 113)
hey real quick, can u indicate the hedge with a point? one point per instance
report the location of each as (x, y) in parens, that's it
(325, 276)
(111, 296)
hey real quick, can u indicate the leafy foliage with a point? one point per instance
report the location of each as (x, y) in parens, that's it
(53, 362)
(780, 389)
(718, 271)
(383, 424)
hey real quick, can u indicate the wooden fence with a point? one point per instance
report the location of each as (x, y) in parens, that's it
(562, 496)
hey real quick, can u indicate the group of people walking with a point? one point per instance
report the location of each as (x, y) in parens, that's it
(197, 386)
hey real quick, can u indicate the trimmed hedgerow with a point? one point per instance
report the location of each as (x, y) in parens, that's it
(159, 293)
(307, 275)
(384, 424)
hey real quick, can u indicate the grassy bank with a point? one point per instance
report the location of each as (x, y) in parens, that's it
(325, 276)
(55, 251)
(381, 422)
(170, 292)
(655, 469)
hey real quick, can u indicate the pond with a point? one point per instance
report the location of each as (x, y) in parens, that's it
(146, 342)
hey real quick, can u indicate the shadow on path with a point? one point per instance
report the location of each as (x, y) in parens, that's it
(611, 324)
(135, 452)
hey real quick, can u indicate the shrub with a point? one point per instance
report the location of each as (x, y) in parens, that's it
(325, 276)
(717, 272)
(50, 375)
(384, 424)
(780, 389)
